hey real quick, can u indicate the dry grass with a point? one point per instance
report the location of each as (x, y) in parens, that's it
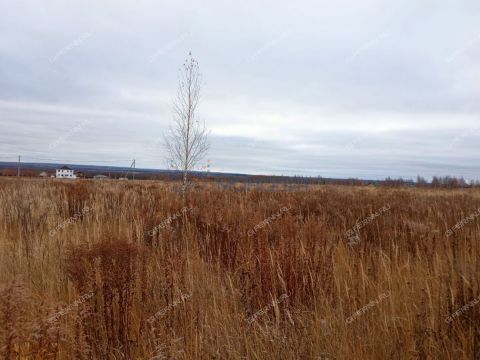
(106, 287)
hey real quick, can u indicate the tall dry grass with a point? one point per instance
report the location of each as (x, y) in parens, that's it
(103, 285)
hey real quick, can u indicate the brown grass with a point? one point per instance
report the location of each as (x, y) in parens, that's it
(137, 279)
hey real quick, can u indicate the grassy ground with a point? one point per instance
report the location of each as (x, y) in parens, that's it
(128, 270)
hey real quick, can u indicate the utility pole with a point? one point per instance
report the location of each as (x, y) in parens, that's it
(18, 167)
(133, 166)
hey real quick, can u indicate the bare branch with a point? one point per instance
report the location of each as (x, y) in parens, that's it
(186, 141)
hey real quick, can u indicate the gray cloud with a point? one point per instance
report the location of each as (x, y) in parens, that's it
(343, 89)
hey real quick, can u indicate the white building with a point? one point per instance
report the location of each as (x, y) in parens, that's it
(65, 173)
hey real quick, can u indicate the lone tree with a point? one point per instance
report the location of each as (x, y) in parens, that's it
(187, 140)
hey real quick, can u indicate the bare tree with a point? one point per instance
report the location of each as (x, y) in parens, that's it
(187, 140)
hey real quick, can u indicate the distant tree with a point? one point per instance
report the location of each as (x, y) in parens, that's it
(448, 182)
(421, 182)
(187, 140)
(9, 172)
(389, 182)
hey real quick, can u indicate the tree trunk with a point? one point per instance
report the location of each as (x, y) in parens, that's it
(185, 182)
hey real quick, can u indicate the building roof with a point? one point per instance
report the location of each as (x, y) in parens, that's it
(65, 167)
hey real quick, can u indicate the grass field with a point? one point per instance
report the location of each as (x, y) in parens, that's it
(128, 270)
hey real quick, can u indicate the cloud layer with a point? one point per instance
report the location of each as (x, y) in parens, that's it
(340, 89)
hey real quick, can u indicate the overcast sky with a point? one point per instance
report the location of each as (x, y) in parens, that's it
(365, 89)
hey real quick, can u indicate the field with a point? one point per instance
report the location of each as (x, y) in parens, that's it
(129, 270)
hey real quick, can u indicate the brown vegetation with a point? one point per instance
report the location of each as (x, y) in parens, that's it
(105, 286)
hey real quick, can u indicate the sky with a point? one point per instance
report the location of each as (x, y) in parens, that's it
(344, 89)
